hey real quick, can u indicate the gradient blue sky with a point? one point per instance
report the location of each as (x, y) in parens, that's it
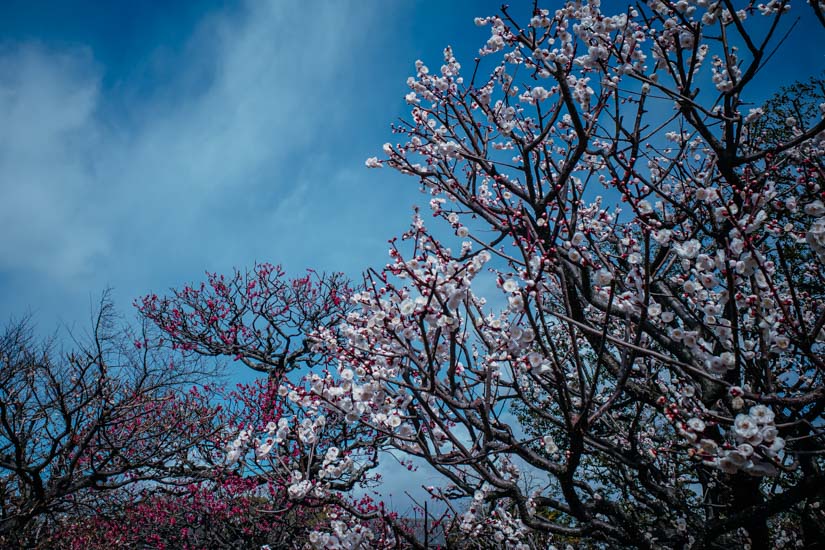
(142, 142)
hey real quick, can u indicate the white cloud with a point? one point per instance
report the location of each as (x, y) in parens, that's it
(48, 143)
(185, 177)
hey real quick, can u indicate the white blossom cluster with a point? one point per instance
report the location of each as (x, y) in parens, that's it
(493, 523)
(754, 445)
(328, 467)
(346, 533)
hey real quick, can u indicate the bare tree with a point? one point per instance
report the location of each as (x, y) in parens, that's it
(259, 317)
(111, 413)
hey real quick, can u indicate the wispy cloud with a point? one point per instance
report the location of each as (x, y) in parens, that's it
(223, 159)
(48, 144)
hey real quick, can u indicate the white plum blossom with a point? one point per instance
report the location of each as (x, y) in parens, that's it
(603, 277)
(762, 414)
(815, 208)
(688, 249)
(696, 425)
(549, 444)
(510, 285)
(816, 238)
(539, 93)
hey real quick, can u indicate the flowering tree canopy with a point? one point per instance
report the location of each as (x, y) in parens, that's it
(622, 346)
(625, 344)
(613, 335)
(231, 512)
(258, 317)
(269, 322)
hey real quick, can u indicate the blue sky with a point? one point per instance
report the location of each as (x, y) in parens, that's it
(142, 143)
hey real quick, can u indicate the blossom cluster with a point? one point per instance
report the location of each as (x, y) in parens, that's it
(493, 523)
(754, 446)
